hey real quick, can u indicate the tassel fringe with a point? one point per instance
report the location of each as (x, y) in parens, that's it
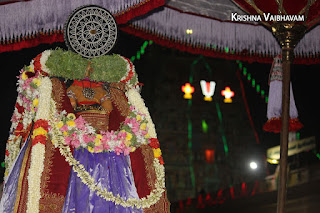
(274, 125)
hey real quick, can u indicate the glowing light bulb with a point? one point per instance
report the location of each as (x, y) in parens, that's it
(253, 165)
(228, 94)
(208, 89)
(188, 90)
(189, 31)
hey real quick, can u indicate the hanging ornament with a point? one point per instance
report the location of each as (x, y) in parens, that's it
(228, 94)
(188, 90)
(208, 89)
(275, 101)
(91, 31)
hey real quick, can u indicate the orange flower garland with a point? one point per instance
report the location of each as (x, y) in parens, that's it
(155, 145)
(40, 132)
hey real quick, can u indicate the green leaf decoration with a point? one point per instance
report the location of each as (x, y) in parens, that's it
(69, 65)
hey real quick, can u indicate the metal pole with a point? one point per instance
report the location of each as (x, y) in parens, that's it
(288, 35)
(282, 191)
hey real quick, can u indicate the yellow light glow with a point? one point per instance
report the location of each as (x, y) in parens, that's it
(188, 90)
(272, 161)
(228, 94)
(189, 31)
(207, 98)
(208, 89)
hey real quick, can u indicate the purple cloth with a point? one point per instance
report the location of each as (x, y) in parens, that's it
(10, 187)
(112, 172)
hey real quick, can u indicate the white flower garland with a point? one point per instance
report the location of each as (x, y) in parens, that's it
(44, 99)
(38, 150)
(136, 100)
(34, 177)
(44, 57)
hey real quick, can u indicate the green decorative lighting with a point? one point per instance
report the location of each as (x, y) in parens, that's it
(141, 51)
(204, 126)
(253, 82)
(298, 136)
(224, 139)
(258, 88)
(317, 154)
(244, 71)
(239, 64)
(249, 77)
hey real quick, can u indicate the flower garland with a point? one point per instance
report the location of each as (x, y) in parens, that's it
(39, 138)
(136, 104)
(43, 59)
(137, 129)
(135, 99)
(88, 180)
(129, 74)
(78, 133)
(34, 177)
(40, 132)
(24, 113)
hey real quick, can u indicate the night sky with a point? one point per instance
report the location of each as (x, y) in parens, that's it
(305, 81)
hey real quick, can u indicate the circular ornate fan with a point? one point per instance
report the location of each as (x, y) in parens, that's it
(90, 31)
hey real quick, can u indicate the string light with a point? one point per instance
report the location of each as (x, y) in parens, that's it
(253, 81)
(141, 51)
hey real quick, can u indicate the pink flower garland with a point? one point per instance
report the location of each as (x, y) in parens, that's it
(77, 133)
